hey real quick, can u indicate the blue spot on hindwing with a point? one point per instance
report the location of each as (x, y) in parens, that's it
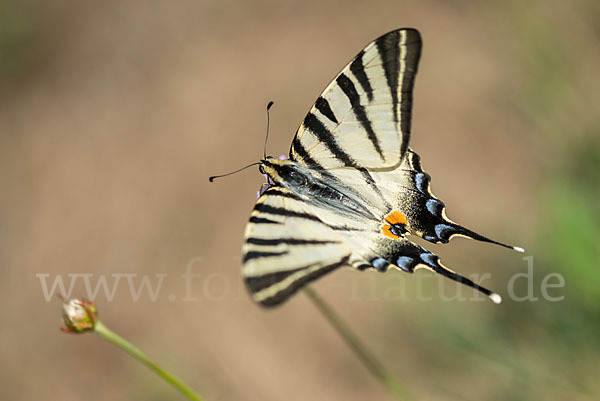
(441, 230)
(434, 206)
(380, 264)
(406, 263)
(421, 182)
(429, 259)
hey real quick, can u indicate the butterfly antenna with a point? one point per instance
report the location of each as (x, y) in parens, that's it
(212, 178)
(267, 136)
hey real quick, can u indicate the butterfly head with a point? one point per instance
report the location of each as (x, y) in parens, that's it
(283, 172)
(273, 169)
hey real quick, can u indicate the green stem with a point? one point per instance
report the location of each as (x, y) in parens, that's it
(119, 341)
(366, 357)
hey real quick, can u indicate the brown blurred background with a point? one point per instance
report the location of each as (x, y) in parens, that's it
(113, 115)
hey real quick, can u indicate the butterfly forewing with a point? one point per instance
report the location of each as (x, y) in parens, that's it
(362, 119)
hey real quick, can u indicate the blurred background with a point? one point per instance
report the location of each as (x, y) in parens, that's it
(113, 115)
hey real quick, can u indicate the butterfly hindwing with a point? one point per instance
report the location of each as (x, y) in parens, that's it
(425, 213)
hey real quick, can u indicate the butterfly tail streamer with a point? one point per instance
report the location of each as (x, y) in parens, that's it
(408, 257)
(465, 232)
(433, 264)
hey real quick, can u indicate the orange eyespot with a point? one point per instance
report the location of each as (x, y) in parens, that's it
(395, 217)
(386, 230)
(396, 225)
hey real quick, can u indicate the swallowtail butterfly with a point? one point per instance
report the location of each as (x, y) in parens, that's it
(352, 188)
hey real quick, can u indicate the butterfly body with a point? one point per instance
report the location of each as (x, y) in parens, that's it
(352, 190)
(314, 187)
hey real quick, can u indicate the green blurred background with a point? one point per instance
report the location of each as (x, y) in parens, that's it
(113, 115)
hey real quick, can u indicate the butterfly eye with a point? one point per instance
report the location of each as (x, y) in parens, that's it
(261, 169)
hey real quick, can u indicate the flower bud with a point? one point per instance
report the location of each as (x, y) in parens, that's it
(78, 315)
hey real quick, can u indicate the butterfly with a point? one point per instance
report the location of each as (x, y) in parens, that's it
(352, 190)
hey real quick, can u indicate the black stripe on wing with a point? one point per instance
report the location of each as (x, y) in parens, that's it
(262, 220)
(323, 106)
(287, 241)
(400, 73)
(259, 283)
(259, 254)
(359, 110)
(389, 51)
(269, 291)
(286, 194)
(280, 211)
(314, 125)
(298, 153)
(358, 69)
